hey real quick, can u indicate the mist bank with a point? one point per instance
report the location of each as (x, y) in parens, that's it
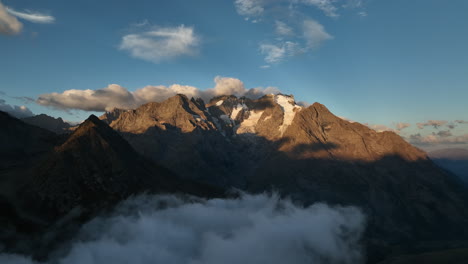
(249, 229)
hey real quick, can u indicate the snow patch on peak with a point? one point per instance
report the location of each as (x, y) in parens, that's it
(220, 102)
(237, 109)
(289, 107)
(248, 125)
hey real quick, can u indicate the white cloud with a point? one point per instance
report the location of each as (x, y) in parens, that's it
(162, 43)
(9, 25)
(272, 52)
(325, 5)
(283, 30)
(256, 229)
(314, 33)
(116, 96)
(277, 53)
(381, 128)
(32, 16)
(362, 13)
(249, 8)
(15, 110)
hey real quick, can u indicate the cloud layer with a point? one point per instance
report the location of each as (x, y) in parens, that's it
(116, 96)
(9, 25)
(162, 43)
(15, 110)
(434, 123)
(251, 230)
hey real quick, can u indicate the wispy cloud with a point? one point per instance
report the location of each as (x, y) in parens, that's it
(9, 25)
(250, 8)
(283, 29)
(32, 16)
(461, 121)
(438, 138)
(400, 126)
(434, 123)
(381, 128)
(326, 6)
(314, 33)
(295, 33)
(277, 53)
(116, 96)
(162, 43)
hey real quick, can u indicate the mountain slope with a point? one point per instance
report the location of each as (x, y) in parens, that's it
(94, 165)
(307, 153)
(56, 125)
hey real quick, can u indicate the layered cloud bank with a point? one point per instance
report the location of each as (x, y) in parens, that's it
(116, 96)
(253, 229)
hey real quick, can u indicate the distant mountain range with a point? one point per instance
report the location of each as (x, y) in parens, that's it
(454, 160)
(56, 125)
(187, 146)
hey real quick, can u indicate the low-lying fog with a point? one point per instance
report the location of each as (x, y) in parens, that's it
(251, 229)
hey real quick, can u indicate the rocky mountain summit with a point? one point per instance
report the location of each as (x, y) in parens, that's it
(186, 145)
(306, 153)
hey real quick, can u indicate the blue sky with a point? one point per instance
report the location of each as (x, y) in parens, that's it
(372, 61)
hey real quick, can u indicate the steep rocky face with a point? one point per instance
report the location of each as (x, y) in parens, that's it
(56, 125)
(308, 153)
(21, 146)
(96, 165)
(324, 158)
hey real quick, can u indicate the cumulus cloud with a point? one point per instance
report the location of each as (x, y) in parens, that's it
(15, 110)
(116, 96)
(315, 33)
(9, 25)
(162, 43)
(434, 123)
(400, 126)
(32, 16)
(252, 230)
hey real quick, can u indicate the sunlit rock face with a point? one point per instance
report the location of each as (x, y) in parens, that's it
(306, 153)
